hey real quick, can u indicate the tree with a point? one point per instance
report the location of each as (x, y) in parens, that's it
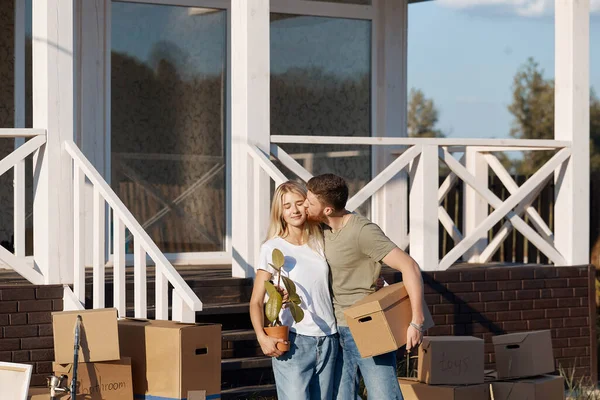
(533, 111)
(422, 116)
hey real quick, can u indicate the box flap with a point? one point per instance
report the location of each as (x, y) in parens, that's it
(510, 338)
(62, 369)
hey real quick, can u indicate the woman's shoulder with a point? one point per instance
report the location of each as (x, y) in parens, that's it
(271, 243)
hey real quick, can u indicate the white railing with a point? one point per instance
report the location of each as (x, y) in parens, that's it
(16, 160)
(421, 158)
(185, 303)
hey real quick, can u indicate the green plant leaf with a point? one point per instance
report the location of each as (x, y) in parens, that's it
(276, 268)
(278, 258)
(274, 304)
(290, 286)
(295, 299)
(272, 308)
(297, 312)
(271, 289)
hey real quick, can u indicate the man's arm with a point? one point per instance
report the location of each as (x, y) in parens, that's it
(413, 281)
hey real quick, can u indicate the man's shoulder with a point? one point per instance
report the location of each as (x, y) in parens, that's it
(359, 221)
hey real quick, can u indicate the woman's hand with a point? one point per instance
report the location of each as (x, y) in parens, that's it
(414, 337)
(268, 345)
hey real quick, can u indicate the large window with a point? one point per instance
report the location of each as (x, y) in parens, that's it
(321, 86)
(168, 71)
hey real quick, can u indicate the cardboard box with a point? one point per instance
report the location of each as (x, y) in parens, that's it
(524, 354)
(99, 338)
(541, 388)
(379, 321)
(172, 360)
(108, 380)
(451, 360)
(38, 393)
(413, 390)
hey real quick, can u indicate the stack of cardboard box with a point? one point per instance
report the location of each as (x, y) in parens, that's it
(102, 373)
(127, 358)
(522, 360)
(450, 368)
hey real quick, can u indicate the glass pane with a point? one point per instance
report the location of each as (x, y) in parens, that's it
(321, 86)
(168, 122)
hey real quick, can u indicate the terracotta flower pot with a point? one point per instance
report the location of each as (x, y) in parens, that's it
(279, 332)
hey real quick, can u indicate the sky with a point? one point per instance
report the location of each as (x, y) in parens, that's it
(464, 54)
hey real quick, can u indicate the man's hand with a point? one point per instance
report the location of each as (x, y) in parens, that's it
(413, 338)
(268, 345)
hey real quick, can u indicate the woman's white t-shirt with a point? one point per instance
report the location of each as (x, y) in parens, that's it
(310, 272)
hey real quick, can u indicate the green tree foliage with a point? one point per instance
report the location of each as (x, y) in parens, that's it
(533, 110)
(422, 115)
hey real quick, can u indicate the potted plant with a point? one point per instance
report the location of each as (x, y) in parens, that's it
(276, 302)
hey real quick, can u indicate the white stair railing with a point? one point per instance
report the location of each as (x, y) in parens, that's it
(16, 160)
(185, 302)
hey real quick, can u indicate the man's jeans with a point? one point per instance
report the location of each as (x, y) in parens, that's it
(306, 370)
(379, 372)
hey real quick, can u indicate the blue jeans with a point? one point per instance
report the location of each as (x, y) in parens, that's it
(379, 372)
(305, 372)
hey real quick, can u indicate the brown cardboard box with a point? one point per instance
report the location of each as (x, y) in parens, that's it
(451, 360)
(541, 388)
(524, 354)
(99, 338)
(38, 393)
(172, 360)
(379, 321)
(108, 380)
(413, 390)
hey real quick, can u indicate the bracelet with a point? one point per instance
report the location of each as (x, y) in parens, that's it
(417, 327)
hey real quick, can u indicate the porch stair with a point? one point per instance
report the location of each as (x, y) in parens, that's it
(245, 372)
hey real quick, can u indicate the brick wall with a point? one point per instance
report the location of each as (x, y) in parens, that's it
(485, 301)
(26, 326)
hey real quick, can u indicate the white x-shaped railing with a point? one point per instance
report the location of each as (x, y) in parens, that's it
(421, 158)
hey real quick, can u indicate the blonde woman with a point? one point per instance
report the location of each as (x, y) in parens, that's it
(306, 370)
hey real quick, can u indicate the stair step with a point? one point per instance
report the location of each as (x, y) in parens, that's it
(231, 364)
(253, 392)
(226, 308)
(237, 335)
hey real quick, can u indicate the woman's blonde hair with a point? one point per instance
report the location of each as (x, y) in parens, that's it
(312, 234)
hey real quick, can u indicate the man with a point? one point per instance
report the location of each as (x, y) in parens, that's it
(355, 248)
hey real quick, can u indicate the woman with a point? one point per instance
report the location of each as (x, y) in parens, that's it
(306, 370)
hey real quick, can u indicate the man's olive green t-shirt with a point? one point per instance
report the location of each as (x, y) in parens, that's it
(354, 254)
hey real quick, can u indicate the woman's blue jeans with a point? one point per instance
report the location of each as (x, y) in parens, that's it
(379, 372)
(305, 372)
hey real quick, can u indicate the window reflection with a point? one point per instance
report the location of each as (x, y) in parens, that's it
(167, 122)
(321, 86)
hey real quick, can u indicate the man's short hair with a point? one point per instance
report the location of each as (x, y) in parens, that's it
(330, 189)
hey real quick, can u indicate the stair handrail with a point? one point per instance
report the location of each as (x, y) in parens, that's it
(163, 266)
(16, 160)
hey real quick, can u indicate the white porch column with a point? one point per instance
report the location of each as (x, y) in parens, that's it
(53, 87)
(390, 46)
(572, 123)
(424, 224)
(250, 125)
(474, 206)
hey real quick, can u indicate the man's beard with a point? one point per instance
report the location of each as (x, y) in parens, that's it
(316, 218)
